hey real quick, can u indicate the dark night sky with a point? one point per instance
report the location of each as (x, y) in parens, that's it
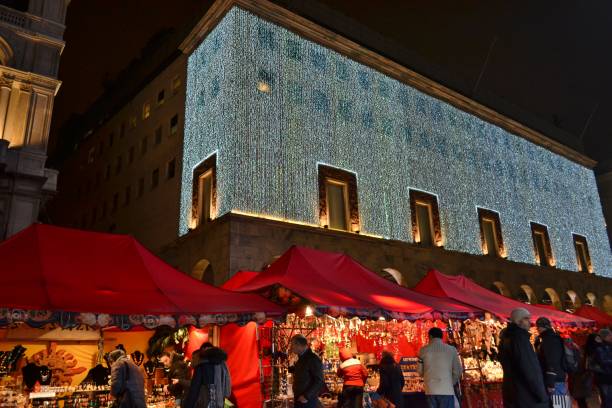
(550, 58)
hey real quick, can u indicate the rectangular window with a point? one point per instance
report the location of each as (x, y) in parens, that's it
(171, 169)
(141, 186)
(583, 258)
(425, 217)
(132, 122)
(143, 145)
(176, 85)
(119, 165)
(338, 208)
(122, 130)
(490, 233)
(128, 195)
(146, 110)
(131, 155)
(155, 179)
(161, 97)
(174, 125)
(541, 245)
(158, 135)
(204, 193)
(115, 203)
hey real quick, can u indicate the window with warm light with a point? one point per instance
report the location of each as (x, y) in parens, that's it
(146, 110)
(338, 199)
(176, 84)
(161, 97)
(174, 125)
(132, 122)
(425, 218)
(204, 192)
(490, 233)
(583, 259)
(541, 245)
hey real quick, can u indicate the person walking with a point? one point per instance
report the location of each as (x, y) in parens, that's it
(127, 381)
(581, 382)
(211, 383)
(307, 374)
(523, 385)
(354, 376)
(550, 348)
(179, 378)
(602, 368)
(391, 380)
(440, 367)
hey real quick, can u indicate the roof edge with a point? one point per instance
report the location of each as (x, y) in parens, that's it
(329, 39)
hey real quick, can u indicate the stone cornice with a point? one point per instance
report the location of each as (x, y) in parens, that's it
(42, 83)
(327, 38)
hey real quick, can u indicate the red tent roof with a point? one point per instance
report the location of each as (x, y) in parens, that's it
(239, 279)
(59, 269)
(465, 290)
(599, 316)
(336, 280)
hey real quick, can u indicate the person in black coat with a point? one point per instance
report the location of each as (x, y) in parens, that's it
(391, 380)
(551, 354)
(523, 385)
(307, 374)
(211, 383)
(178, 375)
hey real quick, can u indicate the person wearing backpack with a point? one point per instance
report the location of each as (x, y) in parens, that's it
(551, 352)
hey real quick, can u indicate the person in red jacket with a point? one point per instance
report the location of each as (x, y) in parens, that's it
(354, 375)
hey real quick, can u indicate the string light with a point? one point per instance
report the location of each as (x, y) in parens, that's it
(323, 107)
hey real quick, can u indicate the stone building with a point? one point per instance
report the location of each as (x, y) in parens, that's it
(31, 44)
(295, 135)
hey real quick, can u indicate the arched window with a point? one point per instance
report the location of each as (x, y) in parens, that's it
(591, 299)
(393, 275)
(571, 301)
(202, 271)
(527, 295)
(501, 288)
(551, 297)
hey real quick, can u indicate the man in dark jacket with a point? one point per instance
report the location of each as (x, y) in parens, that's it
(211, 383)
(127, 381)
(603, 368)
(551, 354)
(523, 385)
(307, 374)
(178, 375)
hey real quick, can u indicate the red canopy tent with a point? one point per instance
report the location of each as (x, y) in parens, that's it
(601, 318)
(336, 282)
(73, 275)
(465, 290)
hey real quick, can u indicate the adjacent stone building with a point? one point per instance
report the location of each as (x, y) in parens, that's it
(31, 44)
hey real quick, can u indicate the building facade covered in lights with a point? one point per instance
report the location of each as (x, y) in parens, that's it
(291, 134)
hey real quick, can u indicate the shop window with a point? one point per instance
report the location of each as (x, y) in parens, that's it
(204, 190)
(146, 110)
(176, 85)
(171, 169)
(131, 155)
(425, 217)
(155, 179)
(144, 145)
(161, 97)
(338, 204)
(122, 130)
(141, 187)
(119, 165)
(583, 258)
(490, 233)
(174, 125)
(158, 135)
(128, 195)
(541, 245)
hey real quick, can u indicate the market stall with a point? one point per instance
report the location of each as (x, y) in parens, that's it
(478, 341)
(601, 318)
(337, 303)
(67, 296)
